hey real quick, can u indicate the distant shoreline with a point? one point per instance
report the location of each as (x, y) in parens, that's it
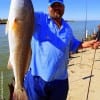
(3, 21)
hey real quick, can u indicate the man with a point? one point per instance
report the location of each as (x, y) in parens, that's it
(98, 34)
(97, 37)
(47, 77)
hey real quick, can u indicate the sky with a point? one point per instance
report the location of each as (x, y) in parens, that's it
(74, 9)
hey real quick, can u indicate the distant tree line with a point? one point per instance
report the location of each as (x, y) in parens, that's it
(3, 21)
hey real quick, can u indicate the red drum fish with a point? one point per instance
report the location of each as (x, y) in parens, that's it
(20, 29)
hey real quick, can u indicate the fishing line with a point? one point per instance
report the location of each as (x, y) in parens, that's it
(91, 75)
(85, 29)
(85, 20)
(82, 51)
(93, 56)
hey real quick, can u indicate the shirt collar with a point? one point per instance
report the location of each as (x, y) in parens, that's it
(49, 18)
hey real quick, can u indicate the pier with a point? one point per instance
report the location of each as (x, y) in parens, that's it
(84, 75)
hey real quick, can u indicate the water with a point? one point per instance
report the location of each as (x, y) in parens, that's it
(3, 47)
(6, 75)
(78, 28)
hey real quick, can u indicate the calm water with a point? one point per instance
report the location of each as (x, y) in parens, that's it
(3, 47)
(77, 27)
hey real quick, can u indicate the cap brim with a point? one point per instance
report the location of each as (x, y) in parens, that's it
(49, 4)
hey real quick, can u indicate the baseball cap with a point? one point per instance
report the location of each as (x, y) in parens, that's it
(53, 1)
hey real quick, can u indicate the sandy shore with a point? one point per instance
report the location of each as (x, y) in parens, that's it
(84, 75)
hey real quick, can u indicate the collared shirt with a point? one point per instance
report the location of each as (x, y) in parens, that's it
(50, 48)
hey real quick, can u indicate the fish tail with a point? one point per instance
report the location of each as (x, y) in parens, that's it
(20, 94)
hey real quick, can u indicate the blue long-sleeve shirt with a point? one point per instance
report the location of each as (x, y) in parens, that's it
(50, 48)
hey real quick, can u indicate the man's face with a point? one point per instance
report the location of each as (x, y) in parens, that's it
(56, 10)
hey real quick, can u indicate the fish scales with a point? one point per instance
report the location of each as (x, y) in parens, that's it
(20, 30)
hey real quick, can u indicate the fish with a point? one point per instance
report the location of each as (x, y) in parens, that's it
(20, 27)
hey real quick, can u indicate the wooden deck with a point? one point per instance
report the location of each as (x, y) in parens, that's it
(84, 75)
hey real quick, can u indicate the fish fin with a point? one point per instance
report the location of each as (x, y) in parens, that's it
(9, 66)
(9, 26)
(16, 25)
(29, 58)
